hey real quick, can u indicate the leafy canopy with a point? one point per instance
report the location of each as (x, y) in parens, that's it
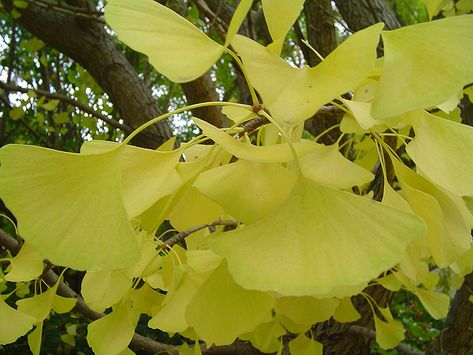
(301, 239)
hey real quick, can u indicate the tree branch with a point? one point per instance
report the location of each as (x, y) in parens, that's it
(68, 100)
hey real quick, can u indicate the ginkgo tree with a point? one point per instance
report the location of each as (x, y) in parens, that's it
(272, 237)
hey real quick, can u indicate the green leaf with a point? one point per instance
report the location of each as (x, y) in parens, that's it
(434, 6)
(50, 105)
(61, 117)
(429, 58)
(280, 15)
(13, 324)
(111, 334)
(54, 197)
(305, 346)
(34, 339)
(451, 144)
(306, 310)
(221, 310)
(20, 4)
(295, 94)
(166, 38)
(248, 200)
(16, 113)
(277, 253)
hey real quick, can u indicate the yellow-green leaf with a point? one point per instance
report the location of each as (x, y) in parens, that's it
(16, 113)
(346, 312)
(306, 310)
(280, 15)
(175, 47)
(111, 334)
(54, 196)
(237, 19)
(309, 234)
(435, 303)
(305, 346)
(451, 144)
(295, 94)
(13, 324)
(50, 105)
(147, 175)
(248, 151)
(388, 334)
(26, 265)
(248, 200)
(221, 310)
(429, 58)
(34, 339)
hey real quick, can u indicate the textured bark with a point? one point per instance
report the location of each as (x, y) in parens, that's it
(363, 13)
(457, 336)
(87, 42)
(320, 28)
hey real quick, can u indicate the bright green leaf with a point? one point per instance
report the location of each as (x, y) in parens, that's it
(175, 47)
(277, 253)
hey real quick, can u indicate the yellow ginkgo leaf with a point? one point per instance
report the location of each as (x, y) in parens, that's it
(327, 166)
(434, 6)
(221, 310)
(295, 94)
(111, 334)
(249, 191)
(435, 303)
(310, 234)
(102, 289)
(34, 339)
(305, 346)
(430, 58)
(54, 197)
(346, 312)
(451, 144)
(248, 151)
(63, 304)
(306, 310)
(237, 19)
(448, 234)
(171, 317)
(13, 323)
(280, 15)
(147, 175)
(175, 47)
(388, 334)
(26, 265)
(266, 336)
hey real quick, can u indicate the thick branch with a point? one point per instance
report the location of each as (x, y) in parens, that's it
(68, 100)
(88, 43)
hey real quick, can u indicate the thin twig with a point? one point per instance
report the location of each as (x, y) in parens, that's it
(179, 237)
(70, 10)
(64, 98)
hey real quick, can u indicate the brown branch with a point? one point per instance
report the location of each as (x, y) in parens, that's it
(370, 333)
(70, 10)
(179, 237)
(66, 99)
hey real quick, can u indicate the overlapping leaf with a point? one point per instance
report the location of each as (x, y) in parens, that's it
(69, 206)
(424, 65)
(294, 94)
(306, 236)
